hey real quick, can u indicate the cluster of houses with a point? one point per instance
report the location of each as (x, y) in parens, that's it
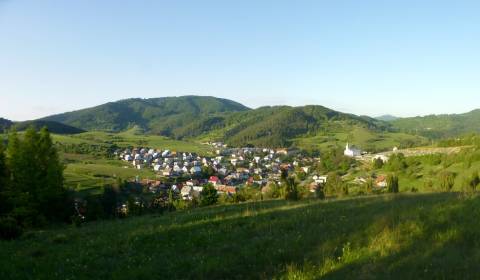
(227, 171)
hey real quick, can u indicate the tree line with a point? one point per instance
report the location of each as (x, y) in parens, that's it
(32, 193)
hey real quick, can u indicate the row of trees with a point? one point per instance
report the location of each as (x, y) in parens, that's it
(31, 183)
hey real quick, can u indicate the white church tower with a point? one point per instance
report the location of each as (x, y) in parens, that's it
(351, 151)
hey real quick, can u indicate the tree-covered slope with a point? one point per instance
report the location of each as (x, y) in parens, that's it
(210, 118)
(158, 115)
(54, 127)
(276, 126)
(439, 126)
(5, 124)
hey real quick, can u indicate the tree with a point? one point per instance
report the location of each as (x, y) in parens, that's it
(50, 193)
(109, 200)
(369, 184)
(291, 189)
(378, 163)
(4, 181)
(209, 195)
(472, 182)
(35, 190)
(320, 192)
(334, 184)
(392, 182)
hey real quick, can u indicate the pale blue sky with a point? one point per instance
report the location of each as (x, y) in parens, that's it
(365, 57)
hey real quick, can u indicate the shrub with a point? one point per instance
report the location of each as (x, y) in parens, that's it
(320, 192)
(209, 195)
(392, 182)
(291, 189)
(9, 228)
(447, 180)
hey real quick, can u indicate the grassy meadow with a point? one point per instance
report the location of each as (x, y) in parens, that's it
(87, 172)
(362, 137)
(135, 139)
(416, 236)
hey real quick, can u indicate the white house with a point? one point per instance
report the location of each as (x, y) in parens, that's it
(320, 179)
(352, 151)
(384, 158)
(187, 192)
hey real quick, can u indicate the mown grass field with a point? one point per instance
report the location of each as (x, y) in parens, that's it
(418, 236)
(362, 137)
(136, 139)
(89, 172)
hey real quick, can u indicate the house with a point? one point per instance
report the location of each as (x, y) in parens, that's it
(320, 179)
(196, 170)
(214, 180)
(381, 182)
(222, 189)
(157, 167)
(187, 193)
(352, 151)
(192, 182)
(384, 158)
(167, 172)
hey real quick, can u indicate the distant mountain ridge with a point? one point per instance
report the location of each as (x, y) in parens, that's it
(211, 118)
(158, 115)
(216, 118)
(5, 124)
(54, 127)
(387, 118)
(440, 126)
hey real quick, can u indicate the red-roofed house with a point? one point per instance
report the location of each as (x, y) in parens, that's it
(214, 180)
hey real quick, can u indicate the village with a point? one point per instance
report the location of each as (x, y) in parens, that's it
(231, 168)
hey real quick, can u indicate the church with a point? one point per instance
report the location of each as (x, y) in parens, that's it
(352, 151)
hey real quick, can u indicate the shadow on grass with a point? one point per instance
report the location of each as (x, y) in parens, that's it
(403, 236)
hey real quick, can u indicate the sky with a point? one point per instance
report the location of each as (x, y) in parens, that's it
(404, 58)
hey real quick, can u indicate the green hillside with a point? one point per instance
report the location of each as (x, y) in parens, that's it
(212, 119)
(157, 115)
(440, 126)
(428, 236)
(5, 124)
(54, 127)
(308, 127)
(386, 118)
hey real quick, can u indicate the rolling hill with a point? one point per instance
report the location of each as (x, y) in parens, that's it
(440, 126)
(5, 124)
(157, 115)
(386, 118)
(214, 119)
(54, 127)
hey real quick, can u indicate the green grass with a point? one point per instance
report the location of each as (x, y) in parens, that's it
(91, 175)
(131, 138)
(362, 137)
(90, 172)
(433, 236)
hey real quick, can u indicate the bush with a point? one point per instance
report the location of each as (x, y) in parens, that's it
(447, 180)
(9, 228)
(209, 195)
(320, 192)
(392, 182)
(291, 189)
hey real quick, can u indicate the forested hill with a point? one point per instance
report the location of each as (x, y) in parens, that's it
(5, 124)
(276, 126)
(157, 115)
(54, 127)
(440, 126)
(215, 119)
